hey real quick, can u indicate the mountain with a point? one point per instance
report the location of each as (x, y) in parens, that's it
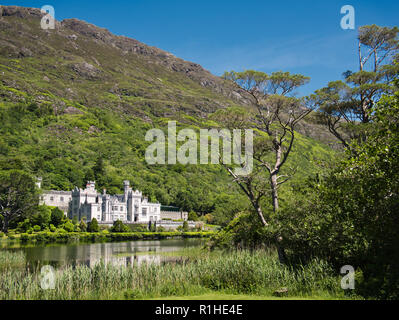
(78, 61)
(76, 102)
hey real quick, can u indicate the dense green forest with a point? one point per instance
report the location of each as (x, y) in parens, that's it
(66, 153)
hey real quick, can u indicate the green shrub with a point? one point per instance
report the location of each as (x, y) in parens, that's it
(68, 226)
(24, 226)
(92, 226)
(138, 227)
(119, 227)
(185, 226)
(25, 237)
(245, 231)
(83, 226)
(41, 237)
(57, 216)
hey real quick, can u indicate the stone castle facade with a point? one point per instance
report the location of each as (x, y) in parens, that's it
(129, 207)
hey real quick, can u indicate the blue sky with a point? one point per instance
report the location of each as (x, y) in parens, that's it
(297, 36)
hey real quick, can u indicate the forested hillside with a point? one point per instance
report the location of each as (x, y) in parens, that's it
(77, 101)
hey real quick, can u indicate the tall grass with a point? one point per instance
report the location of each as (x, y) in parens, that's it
(10, 260)
(244, 272)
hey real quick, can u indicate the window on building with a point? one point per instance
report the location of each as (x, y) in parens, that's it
(121, 208)
(144, 211)
(51, 198)
(62, 199)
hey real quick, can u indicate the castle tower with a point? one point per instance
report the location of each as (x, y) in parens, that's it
(128, 200)
(126, 184)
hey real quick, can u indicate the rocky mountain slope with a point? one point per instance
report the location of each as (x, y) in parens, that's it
(81, 62)
(86, 63)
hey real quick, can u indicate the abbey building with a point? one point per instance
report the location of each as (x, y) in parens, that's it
(129, 207)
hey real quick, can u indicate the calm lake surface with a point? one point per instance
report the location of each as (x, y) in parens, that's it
(116, 253)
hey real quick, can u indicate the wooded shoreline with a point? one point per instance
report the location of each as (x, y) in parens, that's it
(49, 237)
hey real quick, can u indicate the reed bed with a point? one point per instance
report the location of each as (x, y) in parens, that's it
(238, 272)
(11, 260)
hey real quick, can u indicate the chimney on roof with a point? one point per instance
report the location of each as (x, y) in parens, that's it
(39, 181)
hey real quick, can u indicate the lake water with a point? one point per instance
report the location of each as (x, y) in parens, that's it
(116, 253)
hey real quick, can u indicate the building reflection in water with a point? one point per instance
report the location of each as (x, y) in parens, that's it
(119, 257)
(116, 254)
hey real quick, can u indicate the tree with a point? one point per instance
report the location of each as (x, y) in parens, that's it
(345, 106)
(83, 225)
(42, 216)
(228, 206)
(192, 216)
(99, 171)
(277, 115)
(377, 43)
(119, 227)
(92, 226)
(351, 217)
(18, 197)
(57, 217)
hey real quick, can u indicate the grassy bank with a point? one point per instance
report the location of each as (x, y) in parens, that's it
(55, 237)
(242, 274)
(228, 297)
